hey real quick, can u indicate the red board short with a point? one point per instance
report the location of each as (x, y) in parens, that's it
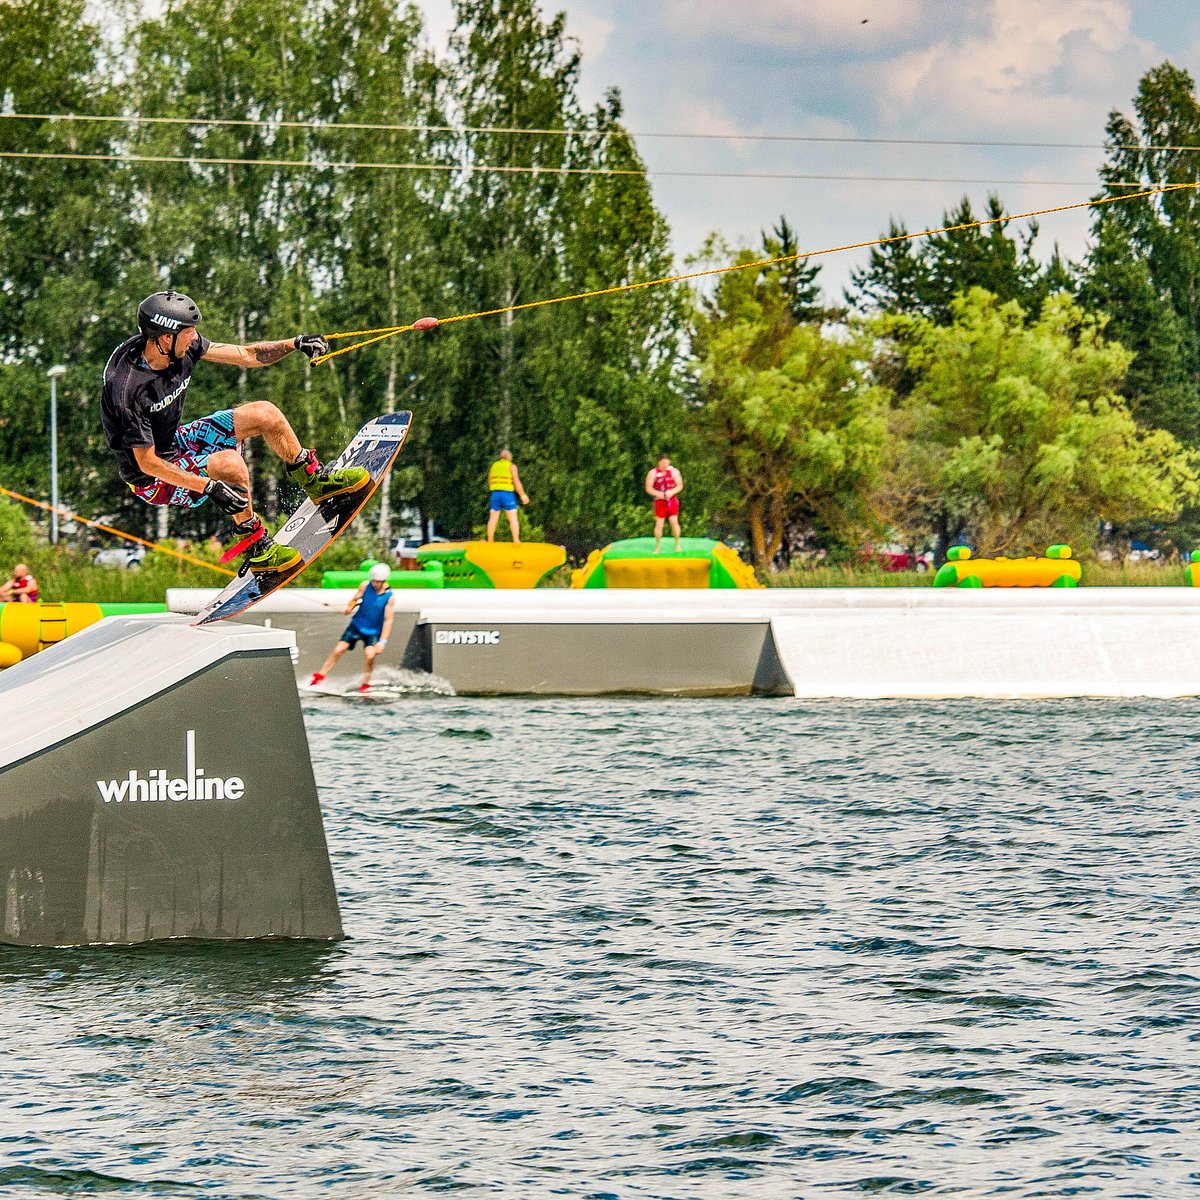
(667, 508)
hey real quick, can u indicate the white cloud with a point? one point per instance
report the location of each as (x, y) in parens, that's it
(863, 24)
(591, 32)
(1027, 65)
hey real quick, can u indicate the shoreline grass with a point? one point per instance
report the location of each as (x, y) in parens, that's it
(67, 574)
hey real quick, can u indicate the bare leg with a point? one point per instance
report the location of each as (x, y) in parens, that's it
(514, 525)
(658, 524)
(370, 654)
(331, 661)
(263, 419)
(493, 521)
(230, 467)
(675, 531)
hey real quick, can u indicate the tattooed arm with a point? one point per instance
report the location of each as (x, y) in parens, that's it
(256, 354)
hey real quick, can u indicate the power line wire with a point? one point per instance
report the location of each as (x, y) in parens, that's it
(489, 168)
(816, 139)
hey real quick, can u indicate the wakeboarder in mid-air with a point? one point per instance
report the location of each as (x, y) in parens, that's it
(167, 462)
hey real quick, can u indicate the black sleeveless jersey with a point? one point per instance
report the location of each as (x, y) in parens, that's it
(141, 407)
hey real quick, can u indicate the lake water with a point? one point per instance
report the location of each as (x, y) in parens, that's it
(669, 949)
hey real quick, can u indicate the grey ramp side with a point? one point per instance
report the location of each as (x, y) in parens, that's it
(149, 697)
(600, 657)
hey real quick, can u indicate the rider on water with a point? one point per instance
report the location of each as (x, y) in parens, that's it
(166, 462)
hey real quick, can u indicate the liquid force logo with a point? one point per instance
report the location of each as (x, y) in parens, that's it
(467, 637)
(194, 785)
(166, 401)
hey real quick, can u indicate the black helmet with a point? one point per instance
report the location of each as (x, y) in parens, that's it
(167, 312)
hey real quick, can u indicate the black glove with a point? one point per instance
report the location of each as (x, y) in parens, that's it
(310, 344)
(228, 497)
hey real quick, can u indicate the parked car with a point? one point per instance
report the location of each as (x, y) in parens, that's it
(405, 548)
(129, 557)
(893, 557)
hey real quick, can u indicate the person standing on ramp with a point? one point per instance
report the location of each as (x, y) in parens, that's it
(371, 624)
(166, 462)
(664, 483)
(505, 486)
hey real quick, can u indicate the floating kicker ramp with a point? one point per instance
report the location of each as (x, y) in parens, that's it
(155, 783)
(854, 643)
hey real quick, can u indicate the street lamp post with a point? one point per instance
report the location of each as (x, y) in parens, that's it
(54, 374)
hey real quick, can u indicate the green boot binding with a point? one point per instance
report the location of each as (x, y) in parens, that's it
(263, 554)
(323, 483)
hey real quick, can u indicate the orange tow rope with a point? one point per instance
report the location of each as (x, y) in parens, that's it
(129, 537)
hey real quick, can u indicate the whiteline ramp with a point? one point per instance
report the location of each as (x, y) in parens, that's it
(155, 783)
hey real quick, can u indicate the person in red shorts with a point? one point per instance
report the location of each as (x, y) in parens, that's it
(665, 483)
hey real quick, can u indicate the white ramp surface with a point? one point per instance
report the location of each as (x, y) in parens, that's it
(876, 642)
(1001, 644)
(108, 668)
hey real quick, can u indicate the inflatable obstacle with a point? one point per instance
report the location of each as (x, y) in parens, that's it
(431, 575)
(698, 563)
(1057, 569)
(493, 564)
(1192, 571)
(27, 628)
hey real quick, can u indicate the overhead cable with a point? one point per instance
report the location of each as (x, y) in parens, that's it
(383, 127)
(496, 169)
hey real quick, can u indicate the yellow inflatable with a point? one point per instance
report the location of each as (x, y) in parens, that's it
(29, 628)
(1057, 569)
(9, 655)
(634, 563)
(493, 564)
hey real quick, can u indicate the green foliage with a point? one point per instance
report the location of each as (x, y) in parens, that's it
(923, 277)
(798, 427)
(772, 413)
(797, 277)
(1015, 433)
(1144, 267)
(18, 539)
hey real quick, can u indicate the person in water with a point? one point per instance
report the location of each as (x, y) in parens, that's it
(22, 588)
(665, 483)
(372, 622)
(504, 483)
(165, 461)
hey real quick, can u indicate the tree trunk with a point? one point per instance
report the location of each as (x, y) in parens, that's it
(758, 541)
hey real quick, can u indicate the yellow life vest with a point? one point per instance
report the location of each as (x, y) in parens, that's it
(500, 477)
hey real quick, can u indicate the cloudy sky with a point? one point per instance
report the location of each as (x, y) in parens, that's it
(965, 70)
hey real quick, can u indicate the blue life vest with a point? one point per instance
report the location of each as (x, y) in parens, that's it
(368, 617)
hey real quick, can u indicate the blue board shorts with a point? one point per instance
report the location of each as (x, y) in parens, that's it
(504, 501)
(195, 442)
(354, 635)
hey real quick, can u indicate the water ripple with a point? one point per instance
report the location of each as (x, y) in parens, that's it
(666, 949)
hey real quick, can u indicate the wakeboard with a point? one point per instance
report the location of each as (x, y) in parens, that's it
(314, 527)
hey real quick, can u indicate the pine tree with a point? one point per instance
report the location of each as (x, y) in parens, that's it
(797, 276)
(895, 279)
